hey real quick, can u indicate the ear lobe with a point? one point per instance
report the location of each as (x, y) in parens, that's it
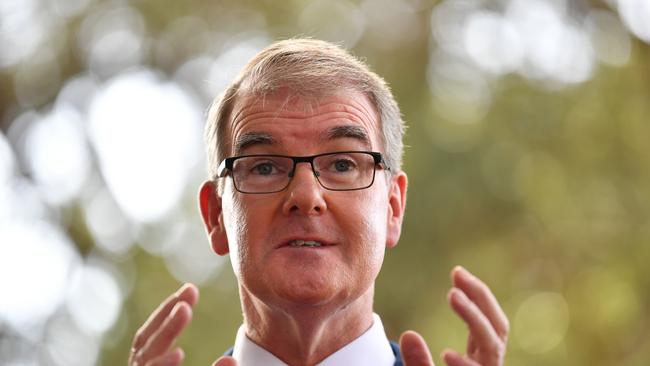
(396, 206)
(211, 212)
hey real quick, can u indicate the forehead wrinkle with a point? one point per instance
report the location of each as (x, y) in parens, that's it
(357, 111)
(355, 108)
(366, 115)
(242, 141)
(350, 109)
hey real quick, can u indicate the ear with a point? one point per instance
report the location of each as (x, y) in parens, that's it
(396, 206)
(212, 213)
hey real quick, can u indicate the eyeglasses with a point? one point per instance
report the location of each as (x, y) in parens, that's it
(335, 171)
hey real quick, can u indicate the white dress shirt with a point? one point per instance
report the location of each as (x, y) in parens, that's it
(370, 349)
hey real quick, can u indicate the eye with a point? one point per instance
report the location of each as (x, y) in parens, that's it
(266, 168)
(343, 165)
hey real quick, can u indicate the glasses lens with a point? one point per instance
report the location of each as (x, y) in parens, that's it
(261, 174)
(343, 171)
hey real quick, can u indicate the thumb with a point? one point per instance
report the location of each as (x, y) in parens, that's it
(225, 361)
(415, 351)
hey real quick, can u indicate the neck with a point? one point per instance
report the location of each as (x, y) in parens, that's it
(305, 334)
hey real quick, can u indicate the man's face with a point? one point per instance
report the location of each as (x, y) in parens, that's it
(354, 227)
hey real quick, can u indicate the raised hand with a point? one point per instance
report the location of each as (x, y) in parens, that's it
(152, 345)
(488, 327)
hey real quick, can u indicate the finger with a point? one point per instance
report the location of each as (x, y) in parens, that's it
(453, 358)
(173, 358)
(225, 361)
(187, 293)
(415, 351)
(480, 327)
(471, 344)
(161, 341)
(481, 295)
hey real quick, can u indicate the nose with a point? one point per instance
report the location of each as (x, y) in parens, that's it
(304, 194)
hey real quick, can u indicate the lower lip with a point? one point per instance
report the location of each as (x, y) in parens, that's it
(306, 247)
(322, 247)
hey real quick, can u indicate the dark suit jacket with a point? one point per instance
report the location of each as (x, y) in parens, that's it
(393, 345)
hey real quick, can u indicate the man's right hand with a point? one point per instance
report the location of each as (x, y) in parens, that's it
(152, 345)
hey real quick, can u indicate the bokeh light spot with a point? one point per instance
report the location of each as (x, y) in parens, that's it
(36, 260)
(541, 322)
(106, 222)
(94, 299)
(227, 65)
(610, 306)
(192, 258)
(57, 154)
(7, 161)
(612, 44)
(67, 345)
(493, 43)
(636, 15)
(22, 30)
(461, 93)
(147, 133)
(111, 39)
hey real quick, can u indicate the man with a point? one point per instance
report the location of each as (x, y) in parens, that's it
(304, 152)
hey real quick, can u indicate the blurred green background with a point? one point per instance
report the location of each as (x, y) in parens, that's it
(528, 157)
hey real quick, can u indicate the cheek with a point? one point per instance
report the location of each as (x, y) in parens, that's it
(236, 230)
(246, 225)
(365, 262)
(365, 225)
(375, 214)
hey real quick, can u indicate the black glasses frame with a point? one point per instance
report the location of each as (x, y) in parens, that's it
(226, 167)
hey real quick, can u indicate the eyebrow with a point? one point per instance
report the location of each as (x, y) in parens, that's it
(249, 139)
(348, 131)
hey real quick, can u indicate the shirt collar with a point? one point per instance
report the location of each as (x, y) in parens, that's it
(370, 349)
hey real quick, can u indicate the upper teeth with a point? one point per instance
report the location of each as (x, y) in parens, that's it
(308, 243)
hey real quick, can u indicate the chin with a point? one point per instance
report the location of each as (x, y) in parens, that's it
(312, 291)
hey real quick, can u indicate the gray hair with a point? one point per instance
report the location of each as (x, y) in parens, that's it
(308, 69)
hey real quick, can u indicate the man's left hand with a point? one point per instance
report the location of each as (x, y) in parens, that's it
(488, 326)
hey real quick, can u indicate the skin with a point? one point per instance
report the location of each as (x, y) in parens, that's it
(303, 304)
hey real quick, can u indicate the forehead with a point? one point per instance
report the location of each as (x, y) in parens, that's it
(284, 116)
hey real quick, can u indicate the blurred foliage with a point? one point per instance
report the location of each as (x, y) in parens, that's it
(546, 197)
